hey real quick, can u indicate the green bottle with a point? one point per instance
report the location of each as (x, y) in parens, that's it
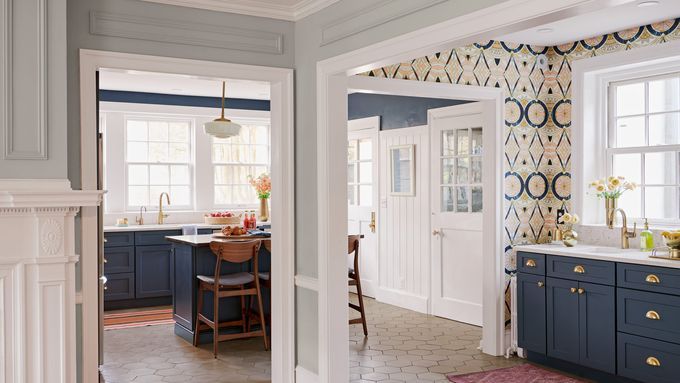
(646, 238)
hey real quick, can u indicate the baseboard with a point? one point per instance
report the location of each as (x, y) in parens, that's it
(402, 299)
(303, 375)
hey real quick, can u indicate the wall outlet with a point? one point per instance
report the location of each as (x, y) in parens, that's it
(560, 213)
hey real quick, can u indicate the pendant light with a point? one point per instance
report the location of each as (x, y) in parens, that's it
(222, 127)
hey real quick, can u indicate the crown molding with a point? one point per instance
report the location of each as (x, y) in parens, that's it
(299, 10)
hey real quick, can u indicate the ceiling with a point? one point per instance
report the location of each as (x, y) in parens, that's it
(136, 81)
(290, 10)
(596, 23)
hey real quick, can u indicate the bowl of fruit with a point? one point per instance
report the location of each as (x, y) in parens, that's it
(222, 218)
(672, 239)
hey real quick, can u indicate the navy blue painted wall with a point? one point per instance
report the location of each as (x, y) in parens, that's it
(173, 99)
(394, 111)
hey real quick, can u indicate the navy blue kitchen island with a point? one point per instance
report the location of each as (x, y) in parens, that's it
(192, 257)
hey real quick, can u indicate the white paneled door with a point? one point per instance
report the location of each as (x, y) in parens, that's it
(457, 187)
(362, 196)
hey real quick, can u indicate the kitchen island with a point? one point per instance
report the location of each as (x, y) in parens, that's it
(192, 257)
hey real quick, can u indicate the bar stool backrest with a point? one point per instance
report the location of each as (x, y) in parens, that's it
(235, 252)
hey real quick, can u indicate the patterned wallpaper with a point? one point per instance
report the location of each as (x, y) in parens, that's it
(537, 161)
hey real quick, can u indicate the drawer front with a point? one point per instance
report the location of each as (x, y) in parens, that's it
(154, 237)
(648, 360)
(649, 278)
(119, 287)
(126, 238)
(119, 260)
(580, 269)
(532, 263)
(648, 314)
(206, 231)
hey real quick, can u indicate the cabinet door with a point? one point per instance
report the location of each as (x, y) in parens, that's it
(531, 312)
(597, 322)
(153, 274)
(562, 318)
(119, 287)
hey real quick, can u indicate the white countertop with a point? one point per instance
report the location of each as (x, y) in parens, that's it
(165, 226)
(601, 253)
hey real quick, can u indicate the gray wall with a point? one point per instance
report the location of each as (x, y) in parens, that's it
(348, 25)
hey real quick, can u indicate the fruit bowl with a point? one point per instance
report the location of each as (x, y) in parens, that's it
(222, 218)
(672, 239)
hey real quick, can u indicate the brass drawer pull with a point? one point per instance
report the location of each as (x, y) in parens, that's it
(581, 291)
(573, 290)
(530, 263)
(540, 284)
(579, 269)
(653, 315)
(651, 278)
(652, 361)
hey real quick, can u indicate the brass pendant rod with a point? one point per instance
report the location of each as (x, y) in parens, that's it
(223, 92)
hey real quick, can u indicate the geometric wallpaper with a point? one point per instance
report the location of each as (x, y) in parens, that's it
(537, 135)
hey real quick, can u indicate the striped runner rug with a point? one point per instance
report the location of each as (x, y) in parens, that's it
(523, 373)
(113, 321)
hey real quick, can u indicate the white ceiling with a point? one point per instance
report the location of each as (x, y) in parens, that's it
(277, 9)
(136, 81)
(596, 23)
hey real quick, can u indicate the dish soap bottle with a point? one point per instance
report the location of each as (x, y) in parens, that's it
(646, 238)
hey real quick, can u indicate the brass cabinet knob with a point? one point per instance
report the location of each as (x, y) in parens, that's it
(540, 284)
(106, 260)
(581, 291)
(530, 263)
(651, 278)
(652, 361)
(653, 315)
(573, 290)
(579, 269)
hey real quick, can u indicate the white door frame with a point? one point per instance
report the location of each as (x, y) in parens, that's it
(282, 172)
(331, 109)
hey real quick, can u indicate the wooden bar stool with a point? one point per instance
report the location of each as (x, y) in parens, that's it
(355, 280)
(241, 285)
(265, 279)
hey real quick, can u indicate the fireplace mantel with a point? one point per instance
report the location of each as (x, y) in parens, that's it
(37, 279)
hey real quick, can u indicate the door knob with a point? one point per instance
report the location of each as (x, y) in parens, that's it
(573, 290)
(436, 232)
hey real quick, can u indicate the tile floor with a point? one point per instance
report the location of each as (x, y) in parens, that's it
(403, 346)
(406, 346)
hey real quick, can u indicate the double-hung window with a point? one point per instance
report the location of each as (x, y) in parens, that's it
(235, 159)
(643, 138)
(157, 160)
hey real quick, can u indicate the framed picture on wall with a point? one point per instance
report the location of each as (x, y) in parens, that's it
(402, 170)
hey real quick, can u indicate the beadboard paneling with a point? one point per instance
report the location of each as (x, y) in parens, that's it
(404, 260)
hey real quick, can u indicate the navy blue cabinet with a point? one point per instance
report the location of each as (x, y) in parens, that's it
(153, 271)
(531, 312)
(119, 287)
(563, 319)
(597, 326)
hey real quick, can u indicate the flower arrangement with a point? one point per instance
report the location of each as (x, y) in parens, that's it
(570, 219)
(262, 185)
(568, 235)
(612, 187)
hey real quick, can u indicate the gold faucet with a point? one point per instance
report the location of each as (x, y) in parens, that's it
(162, 216)
(140, 219)
(625, 234)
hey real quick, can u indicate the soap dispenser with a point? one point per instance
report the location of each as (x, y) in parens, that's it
(646, 238)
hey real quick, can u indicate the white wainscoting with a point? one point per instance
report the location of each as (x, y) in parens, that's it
(37, 280)
(404, 260)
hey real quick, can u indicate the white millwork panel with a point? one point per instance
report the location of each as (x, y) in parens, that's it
(37, 279)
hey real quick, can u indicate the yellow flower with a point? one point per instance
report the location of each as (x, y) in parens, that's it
(575, 219)
(566, 218)
(615, 182)
(611, 187)
(621, 178)
(610, 179)
(600, 188)
(630, 185)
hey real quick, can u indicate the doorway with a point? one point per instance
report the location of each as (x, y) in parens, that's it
(282, 174)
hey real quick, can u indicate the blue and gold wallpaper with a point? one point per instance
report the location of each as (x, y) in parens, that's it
(537, 160)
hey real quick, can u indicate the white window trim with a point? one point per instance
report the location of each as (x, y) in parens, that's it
(201, 152)
(590, 82)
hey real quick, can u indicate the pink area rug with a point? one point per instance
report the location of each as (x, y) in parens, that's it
(524, 373)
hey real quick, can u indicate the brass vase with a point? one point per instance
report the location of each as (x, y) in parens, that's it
(609, 207)
(264, 210)
(569, 237)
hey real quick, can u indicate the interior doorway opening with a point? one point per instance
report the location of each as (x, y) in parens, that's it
(170, 137)
(416, 197)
